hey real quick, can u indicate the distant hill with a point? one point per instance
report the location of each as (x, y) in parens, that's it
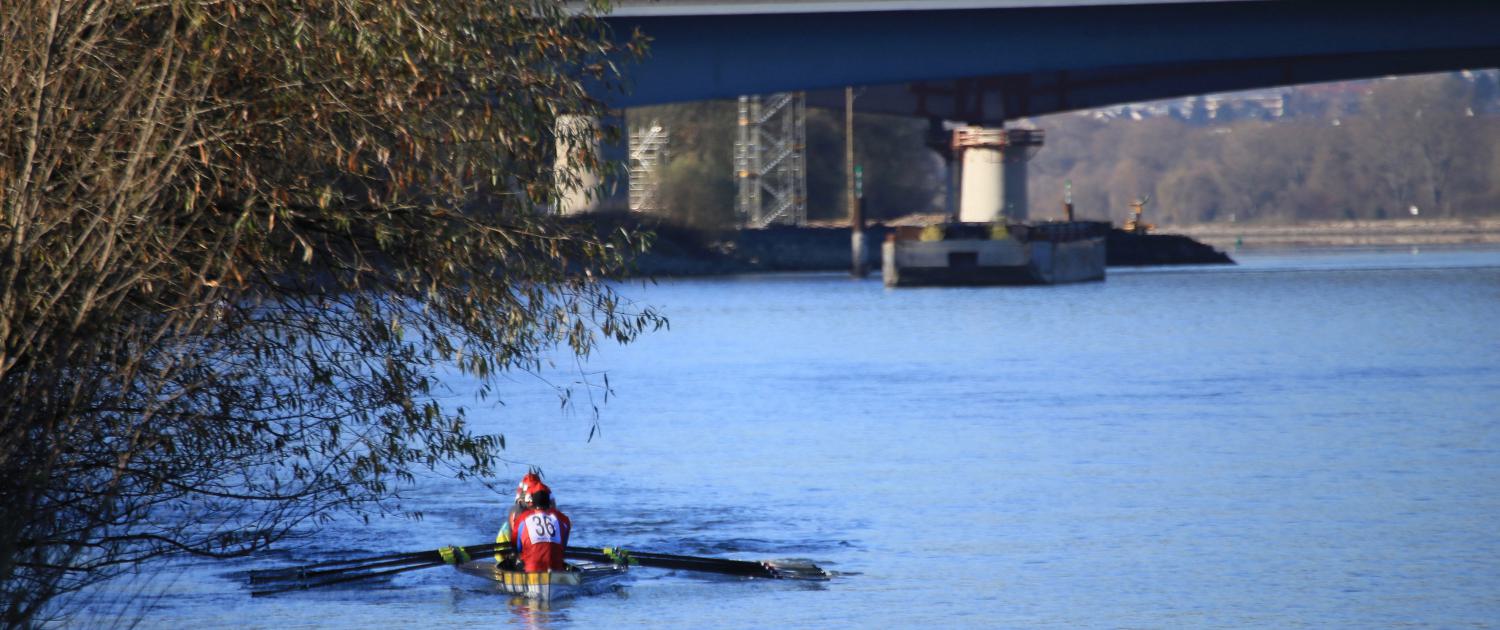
(1362, 151)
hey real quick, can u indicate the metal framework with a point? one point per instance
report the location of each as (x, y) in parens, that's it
(769, 160)
(649, 151)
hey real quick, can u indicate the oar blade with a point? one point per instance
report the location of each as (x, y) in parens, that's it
(798, 570)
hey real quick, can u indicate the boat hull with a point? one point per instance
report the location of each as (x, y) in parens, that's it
(983, 254)
(583, 578)
(975, 262)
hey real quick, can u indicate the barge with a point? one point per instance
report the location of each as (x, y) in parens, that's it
(995, 254)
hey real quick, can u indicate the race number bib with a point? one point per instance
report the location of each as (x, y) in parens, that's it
(543, 528)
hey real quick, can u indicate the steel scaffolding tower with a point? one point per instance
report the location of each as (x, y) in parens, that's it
(649, 152)
(769, 160)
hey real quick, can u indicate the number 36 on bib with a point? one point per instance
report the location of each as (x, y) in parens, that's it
(543, 528)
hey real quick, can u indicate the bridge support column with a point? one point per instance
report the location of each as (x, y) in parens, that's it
(979, 162)
(992, 176)
(600, 189)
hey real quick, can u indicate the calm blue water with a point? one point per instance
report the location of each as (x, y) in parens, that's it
(1307, 439)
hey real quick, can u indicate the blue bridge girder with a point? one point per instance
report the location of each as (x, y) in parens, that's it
(988, 61)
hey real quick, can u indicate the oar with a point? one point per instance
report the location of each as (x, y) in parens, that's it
(345, 578)
(274, 574)
(746, 568)
(330, 567)
(340, 571)
(304, 573)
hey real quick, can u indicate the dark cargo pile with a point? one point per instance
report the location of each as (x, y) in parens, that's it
(1125, 249)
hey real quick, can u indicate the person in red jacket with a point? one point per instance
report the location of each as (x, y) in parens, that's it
(542, 533)
(507, 536)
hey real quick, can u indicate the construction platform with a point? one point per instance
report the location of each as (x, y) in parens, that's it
(991, 254)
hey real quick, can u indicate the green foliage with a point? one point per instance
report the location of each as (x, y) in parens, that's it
(695, 193)
(242, 238)
(697, 185)
(902, 176)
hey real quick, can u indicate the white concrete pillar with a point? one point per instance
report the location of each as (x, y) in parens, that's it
(575, 132)
(980, 185)
(993, 185)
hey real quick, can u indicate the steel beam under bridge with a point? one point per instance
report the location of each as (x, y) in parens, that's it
(985, 61)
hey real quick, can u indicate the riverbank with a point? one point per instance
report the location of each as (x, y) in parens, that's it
(1416, 231)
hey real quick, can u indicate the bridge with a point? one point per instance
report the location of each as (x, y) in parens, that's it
(987, 61)
(984, 62)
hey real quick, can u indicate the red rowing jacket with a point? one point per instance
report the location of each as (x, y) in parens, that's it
(541, 536)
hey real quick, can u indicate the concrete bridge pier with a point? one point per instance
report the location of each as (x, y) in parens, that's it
(596, 190)
(992, 172)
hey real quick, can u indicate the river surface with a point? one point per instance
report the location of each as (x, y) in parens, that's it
(1311, 438)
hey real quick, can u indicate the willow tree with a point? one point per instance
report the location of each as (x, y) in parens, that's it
(241, 239)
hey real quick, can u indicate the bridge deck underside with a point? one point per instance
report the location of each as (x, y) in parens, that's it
(989, 65)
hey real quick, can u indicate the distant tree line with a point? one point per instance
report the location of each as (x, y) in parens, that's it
(698, 188)
(1411, 142)
(1423, 142)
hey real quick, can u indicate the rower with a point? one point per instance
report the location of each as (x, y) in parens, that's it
(505, 555)
(542, 533)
